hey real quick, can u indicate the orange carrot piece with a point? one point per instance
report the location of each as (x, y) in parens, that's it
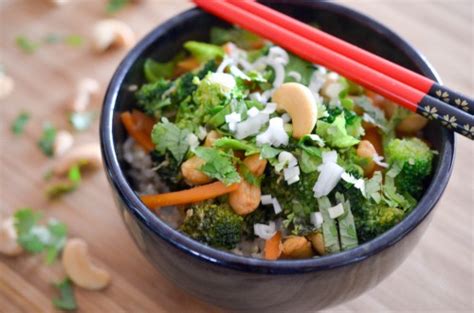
(137, 131)
(273, 247)
(143, 121)
(188, 64)
(196, 194)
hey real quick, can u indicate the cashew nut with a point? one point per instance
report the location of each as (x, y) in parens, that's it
(6, 85)
(8, 236)
(297, 247)
(85, 155)
(80, 269)
(191, 173)
(110, 33)
(299, 102)
(62, 142)
(245, 199)
(317, 240)
(412, 124)
(365, 149)
(211, 137)
(255, 164)
(85, 90)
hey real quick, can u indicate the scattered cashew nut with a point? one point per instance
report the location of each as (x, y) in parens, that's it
(110, 33)
(211, 137)
(412, 124)
(191, 173)
(84, 155)
(8, 236)
(6, 85)
(245, 199)
(85, 90)
(366, 149)
(62, 142)
(79, 268)
(317, 240)
(299, 102)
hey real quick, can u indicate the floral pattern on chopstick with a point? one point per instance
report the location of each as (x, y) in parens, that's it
(462, 104)
(468, 131)
(443, 95)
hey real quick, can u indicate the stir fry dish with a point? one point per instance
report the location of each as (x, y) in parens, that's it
(245, 147)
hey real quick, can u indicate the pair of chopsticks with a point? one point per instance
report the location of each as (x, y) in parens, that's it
(409, 89)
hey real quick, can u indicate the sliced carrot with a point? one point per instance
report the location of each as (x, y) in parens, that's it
(186, 65)
(196, 194)
(143, 121)
(273, 247)
(138, 128)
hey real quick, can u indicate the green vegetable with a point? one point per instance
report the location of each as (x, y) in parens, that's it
(414, 158)
(66, 300)
(18, 125)
(36, 238)
(168, 137)
(151, 97)
(248, 176)
(213, 224)
(218, 165)
(211, 94)
(268, 152)
(154, 70)
(335, 133)
(46, 142)
(347, 230)
(74, 40)
(61, 188)
(26, 45)
(234, 144)
(204, 51)
(304, 68)
(82, 120)
(242, 38)
(113, 6)
(168, 169)
(376, 220)
(330, 233)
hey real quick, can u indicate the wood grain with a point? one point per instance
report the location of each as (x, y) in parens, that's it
(438, 275)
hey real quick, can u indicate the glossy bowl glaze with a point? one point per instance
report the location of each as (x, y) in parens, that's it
(247, 284)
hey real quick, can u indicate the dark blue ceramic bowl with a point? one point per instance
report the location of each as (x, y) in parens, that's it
(247, 284)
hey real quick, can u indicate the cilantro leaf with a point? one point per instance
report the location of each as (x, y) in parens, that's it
(268, 152)
(74, 40)
(234, 144)
(113, 6)
(57, 240)
(46, 142)
(168, 136)
(18, 125)
(37, 238)
(218, 165)
(58, 189)
(26, 45)
(66, 300)
(248, 176)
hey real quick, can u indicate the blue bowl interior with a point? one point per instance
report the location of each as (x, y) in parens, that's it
(167, 39)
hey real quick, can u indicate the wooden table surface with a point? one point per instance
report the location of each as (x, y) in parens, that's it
(437, 276)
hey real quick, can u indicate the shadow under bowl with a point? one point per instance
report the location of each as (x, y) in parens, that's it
(247, 284)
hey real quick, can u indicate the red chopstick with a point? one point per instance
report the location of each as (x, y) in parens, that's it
(407, 96)
(357, 54)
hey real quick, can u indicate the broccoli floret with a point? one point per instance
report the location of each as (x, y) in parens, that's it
(375, 220)
(150, 96)
(168, 169)
(297, 200)
(213, 224)
(213, 90)
(414, 159)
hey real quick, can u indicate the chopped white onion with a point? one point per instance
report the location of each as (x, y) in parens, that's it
(225, 62)
(233, 117)
(336, 211)
(358, 183)
(202, 132)
(329, 156)
(293, 180)
(276, 206)
(318, 140)
(378, 159)
(275, 134)
(226, 81)
(238, 73)
(251, 126)
(316, 219)
(253, 111)
(192, 140)
(330, 174)
(291, 172)
(257, 96)
(287, 159)
(265, 231)
(266, 199)
(270, 107)
(295, 75)
(286, 118)
(332, 90)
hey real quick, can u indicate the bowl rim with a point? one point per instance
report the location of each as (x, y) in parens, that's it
(211, 255)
